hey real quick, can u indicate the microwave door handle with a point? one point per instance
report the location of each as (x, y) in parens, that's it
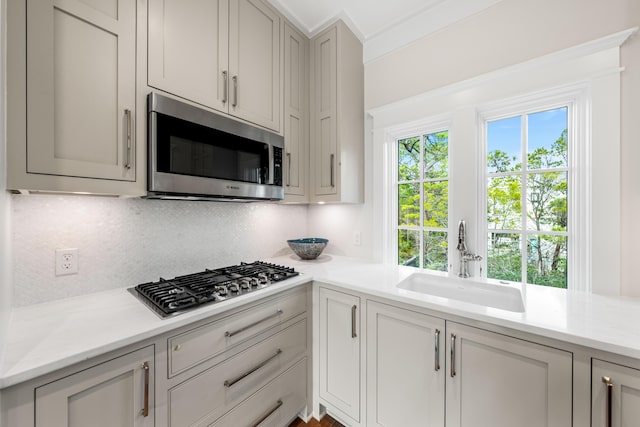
(270, 176)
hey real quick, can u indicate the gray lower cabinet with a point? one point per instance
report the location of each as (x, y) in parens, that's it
(423, 370)
(405, 367)
(119, 392)
(340, 354)
(494, 380)
(615, 395)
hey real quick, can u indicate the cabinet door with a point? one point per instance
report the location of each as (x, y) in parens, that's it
(254, 63)
(340, 351)
(110, 394)
(623, 402)
(498, 381)
(81, 88)
(324, 113)
(296, 138)
(405, 368)
(188, 49)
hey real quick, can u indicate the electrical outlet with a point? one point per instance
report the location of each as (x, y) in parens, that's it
(357, 238)
(66, 261)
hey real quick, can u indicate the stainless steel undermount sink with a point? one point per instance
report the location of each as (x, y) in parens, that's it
(505, 297)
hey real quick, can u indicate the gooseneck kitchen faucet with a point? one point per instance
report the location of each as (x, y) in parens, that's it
(465, 255)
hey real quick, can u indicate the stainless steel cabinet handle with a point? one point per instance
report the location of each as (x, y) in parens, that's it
(229, 383)
(235, 91)
(609, 385)
(127, 114)
(437, 350)
(453, 355)
(353, 321)
(237, 331)
(268, 414)
(332, 167)
(145, 409)
(288, 169)
(225, 86)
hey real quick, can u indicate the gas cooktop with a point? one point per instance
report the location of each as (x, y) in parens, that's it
(183, 293)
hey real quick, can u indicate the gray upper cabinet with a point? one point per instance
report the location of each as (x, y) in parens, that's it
(221, 54)
(296, 115)
(337, 116)
(188, 50)
(254, 63)
(72, 95)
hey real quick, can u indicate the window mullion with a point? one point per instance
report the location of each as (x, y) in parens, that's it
(523, 183)
(421, 183)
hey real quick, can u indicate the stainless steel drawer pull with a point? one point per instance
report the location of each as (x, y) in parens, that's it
(237, 331)
(437, 350)
(145, 409)
(353, 321)
(225, 86)
(453, 355)
(268, 414)
(288, 169)
(608, 414)
(332, 166)
(127, 115)
(235, 91)
(229, 383)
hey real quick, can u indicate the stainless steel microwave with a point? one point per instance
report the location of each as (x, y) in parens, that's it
(195, 154)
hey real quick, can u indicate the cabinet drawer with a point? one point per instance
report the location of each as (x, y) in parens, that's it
(275, 404)
(197, 345)
(208, 395)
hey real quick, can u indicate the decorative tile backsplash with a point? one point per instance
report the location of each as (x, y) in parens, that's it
(124, 242)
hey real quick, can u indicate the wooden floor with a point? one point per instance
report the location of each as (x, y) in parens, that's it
(326, 421)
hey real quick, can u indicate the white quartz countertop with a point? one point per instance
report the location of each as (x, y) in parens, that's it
(50, 336)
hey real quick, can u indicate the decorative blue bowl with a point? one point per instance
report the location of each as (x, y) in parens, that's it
(309, 248)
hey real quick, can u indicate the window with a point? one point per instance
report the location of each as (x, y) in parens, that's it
(527, 186)
(581, 246)
(422, 200)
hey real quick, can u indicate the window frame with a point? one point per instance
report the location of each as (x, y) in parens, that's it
(575, 98)
(421, 128)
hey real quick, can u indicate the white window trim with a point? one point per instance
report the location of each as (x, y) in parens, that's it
(576, 97)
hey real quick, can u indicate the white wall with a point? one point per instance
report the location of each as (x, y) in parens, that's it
(630, 159)
(124, 242)
(511, 32)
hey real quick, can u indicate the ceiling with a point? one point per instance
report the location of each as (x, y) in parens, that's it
(370, 17)
(382, 25)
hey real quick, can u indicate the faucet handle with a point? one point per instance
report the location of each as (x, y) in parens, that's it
(471, 257)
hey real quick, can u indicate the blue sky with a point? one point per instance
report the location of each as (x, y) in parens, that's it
(544, 128)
